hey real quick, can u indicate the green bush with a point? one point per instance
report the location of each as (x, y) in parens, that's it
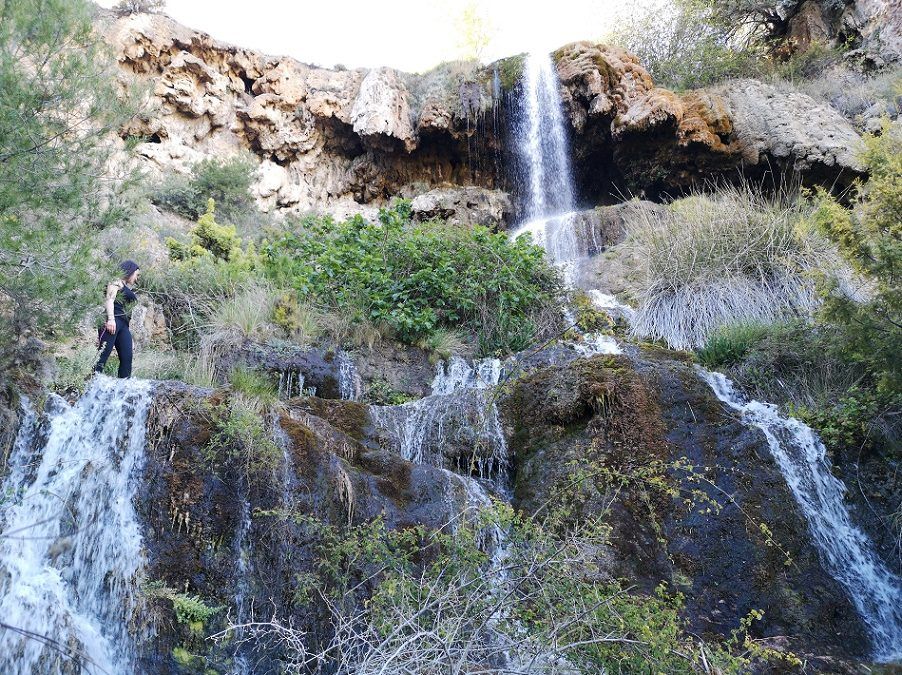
(227, 181)
(418, 278)
(253, 384)
(239, 438)
(683, 45)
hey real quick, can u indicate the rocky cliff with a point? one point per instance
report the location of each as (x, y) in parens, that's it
(345, 141)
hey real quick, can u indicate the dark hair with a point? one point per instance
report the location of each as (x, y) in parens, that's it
(128, 267)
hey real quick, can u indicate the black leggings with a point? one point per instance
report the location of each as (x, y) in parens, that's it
(122, 341)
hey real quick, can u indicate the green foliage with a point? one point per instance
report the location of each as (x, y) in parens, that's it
(729, 344)
(226, 181)
(204, 273)
(209, 238)
(73, 370)
(380, 392)
(869, 332)
(253, 384)
(239, 438)
(417, 278)
(589, 318)
(57, 108)
(683, 45)
(417, 592)
(190, 609)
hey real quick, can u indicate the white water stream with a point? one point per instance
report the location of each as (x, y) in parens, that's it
(70, 541)
(845, 550)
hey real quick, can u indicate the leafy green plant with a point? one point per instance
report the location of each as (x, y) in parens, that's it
(380, 392)
(417, 278)
(228, 182)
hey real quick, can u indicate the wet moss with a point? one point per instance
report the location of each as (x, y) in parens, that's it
(349, 417)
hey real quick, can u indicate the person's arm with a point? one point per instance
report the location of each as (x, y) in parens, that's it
(111, 291)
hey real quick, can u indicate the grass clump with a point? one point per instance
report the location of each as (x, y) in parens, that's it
(729, 344)
(253, 384)
(239, 438)
(731, 257)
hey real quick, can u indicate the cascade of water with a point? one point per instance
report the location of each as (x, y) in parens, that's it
(70, 542)
(243, 570)
(460, 411)
(846, 551)
(542, 141)
(349, 384)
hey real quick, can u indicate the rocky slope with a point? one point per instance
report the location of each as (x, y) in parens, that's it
(348, 140)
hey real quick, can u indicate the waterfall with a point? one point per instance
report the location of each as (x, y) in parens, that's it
(460, 410)
(845, 550)
(70, 542)
(542, 142)
(349, 384)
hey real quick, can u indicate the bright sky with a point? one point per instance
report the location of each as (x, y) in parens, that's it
(411, 35)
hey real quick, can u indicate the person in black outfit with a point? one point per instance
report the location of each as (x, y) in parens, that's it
(120, 300)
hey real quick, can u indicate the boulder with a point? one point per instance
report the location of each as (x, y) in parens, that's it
(463, 206)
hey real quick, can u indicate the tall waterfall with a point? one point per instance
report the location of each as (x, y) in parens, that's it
(542, 141)
(846, 551)
(70, 542)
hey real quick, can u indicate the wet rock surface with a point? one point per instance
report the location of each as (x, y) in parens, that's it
(640, 415)
(217, 534)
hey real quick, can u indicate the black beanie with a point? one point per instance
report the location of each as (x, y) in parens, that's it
(128, 267)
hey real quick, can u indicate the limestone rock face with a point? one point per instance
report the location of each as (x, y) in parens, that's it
(348, 141)
(463, 206)
(327, 139)
(382, 108)
(655, 140)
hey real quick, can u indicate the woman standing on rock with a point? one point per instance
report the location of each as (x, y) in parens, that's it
(120, 300)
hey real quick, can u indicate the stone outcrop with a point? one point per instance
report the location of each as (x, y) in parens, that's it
(327, 139)
(345, 141)
(656, 451)
(653, 140)
(463, 206)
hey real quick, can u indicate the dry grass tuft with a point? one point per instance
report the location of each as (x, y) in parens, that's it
(731, 257)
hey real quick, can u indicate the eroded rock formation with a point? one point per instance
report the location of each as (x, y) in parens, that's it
(346, 141)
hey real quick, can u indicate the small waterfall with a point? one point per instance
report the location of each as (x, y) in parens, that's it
(70, 542)
(846, 551)
(459, 411)
(243, 571)
(291, 384)
(349, 384)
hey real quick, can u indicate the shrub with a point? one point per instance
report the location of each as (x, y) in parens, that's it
(731, 257)
(74, 369)
(300, 322)
(417, 278)
(414, 600)
(870, 237)
(227, 181)
(682, 44)
(240, 440)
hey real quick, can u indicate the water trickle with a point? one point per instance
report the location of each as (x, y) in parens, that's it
(70, 542)
(349, 384)
(459, 414)
(845, 550)
(243, 571)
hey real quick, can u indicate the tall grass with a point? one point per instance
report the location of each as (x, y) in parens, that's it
(247, 314)
(730, 257)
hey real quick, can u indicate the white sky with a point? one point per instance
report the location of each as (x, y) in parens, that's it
(411, 35)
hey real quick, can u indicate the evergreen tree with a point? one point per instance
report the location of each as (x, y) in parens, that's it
(57, 110)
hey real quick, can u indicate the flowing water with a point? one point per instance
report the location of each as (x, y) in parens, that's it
(460, 413)
(845, 550)
(70, 541)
